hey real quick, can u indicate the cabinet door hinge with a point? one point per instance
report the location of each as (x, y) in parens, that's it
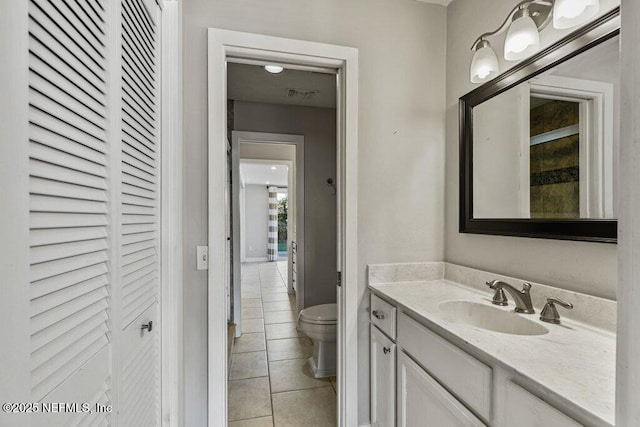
(339, 278)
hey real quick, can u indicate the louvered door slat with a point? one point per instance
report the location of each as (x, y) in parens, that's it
(43, 337)
(84, 95)
(45, 220)
(51, 375)
(136, 70)
(39, 237)
(68, 312)
(56, 346)
(128, 229)
(139, 160)
(68, 30)
(57, 157)
(139, 118)
(64, 189)
(64, 113)
(136, 85)
(66, 145)
(45, 31)
(134, 190)
(145, 32)
(54, 268)
(131, 47)
(63, 281)
(77, 17)
(58, 64)
(136, 266)
(136, 101)
(41, 168)
(131, 23)
(89, 16)
(48, 253)
(68, 203)
(41, 121)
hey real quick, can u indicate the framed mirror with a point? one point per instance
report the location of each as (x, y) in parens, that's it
(538, 142)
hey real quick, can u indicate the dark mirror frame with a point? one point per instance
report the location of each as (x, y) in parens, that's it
(594, 230)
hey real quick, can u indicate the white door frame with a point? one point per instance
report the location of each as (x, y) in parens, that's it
(224, 44)
(171, 201)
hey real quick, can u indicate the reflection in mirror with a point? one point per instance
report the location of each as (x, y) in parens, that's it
(544, 149)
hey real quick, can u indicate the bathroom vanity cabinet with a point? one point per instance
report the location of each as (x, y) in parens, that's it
(419, 378)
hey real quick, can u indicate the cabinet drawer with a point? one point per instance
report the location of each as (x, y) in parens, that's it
(383, 315)
(523, 409)
(460, 373)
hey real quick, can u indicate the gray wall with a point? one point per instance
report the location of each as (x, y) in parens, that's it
(579, 266)
(318, 125)
(401, 142)
(256, 219)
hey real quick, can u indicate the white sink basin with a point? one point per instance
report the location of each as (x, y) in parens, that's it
(491, 318)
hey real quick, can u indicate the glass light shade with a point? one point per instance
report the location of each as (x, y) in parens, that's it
(571, 13)
(523, 39)
(274, 69)
(484, 65)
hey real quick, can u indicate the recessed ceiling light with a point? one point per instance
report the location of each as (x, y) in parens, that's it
(274, 168)
(274, 69)
(267, 182)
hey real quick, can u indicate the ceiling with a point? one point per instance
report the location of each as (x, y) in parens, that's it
(252, 83)
(261, 173)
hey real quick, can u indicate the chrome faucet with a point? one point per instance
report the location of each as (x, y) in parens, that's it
(522, 298)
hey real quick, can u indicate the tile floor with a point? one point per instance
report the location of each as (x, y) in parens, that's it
(269, 381)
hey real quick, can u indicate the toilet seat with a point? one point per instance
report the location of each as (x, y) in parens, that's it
(324, 314)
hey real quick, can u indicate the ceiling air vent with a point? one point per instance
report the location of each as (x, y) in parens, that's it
(302, 93)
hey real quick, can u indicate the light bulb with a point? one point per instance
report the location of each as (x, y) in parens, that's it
(523, 39)
(484, 65)
(571, 13)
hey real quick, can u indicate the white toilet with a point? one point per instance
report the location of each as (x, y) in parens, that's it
(319, 323)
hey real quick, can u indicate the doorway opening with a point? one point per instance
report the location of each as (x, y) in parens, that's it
(284, 218)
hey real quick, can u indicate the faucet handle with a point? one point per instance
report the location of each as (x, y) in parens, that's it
(499, 298)
(550, 312)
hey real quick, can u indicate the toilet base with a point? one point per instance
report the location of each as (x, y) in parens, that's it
(323, 361)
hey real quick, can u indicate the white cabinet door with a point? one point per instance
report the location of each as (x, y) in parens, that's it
(383, 388)
(523, 409)
(424, 402)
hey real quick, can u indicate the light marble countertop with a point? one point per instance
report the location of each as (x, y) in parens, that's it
(573, 362)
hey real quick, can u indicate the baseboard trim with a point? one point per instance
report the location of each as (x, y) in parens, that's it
(256, 259)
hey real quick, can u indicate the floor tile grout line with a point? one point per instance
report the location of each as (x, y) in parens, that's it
(266, 345)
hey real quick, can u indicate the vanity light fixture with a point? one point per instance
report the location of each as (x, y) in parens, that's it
(484, 65)
(274, 168)
(523, 25)
(274, 69)
(570, 13)
(523, 39)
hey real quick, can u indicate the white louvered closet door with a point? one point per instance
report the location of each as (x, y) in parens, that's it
(69, 218)
(139, 371)
(94, 210)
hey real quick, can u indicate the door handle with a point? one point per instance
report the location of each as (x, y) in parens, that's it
(147, 326)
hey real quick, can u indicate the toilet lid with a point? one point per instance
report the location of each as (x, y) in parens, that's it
(324, 313)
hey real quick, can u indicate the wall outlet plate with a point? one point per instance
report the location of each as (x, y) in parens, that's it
(202, 257)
